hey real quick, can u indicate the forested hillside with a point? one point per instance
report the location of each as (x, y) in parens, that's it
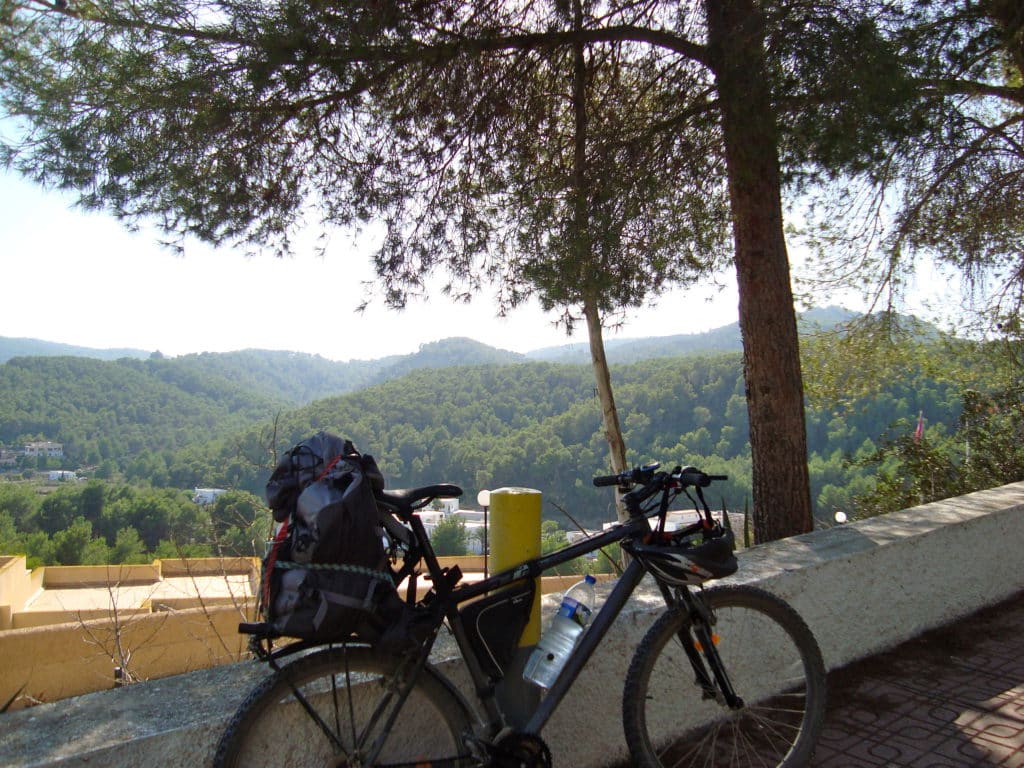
(148, 431)
(533, 424)
(101, 410)
(538, 425)
(291, 377)
(300, 378)
(120, 410)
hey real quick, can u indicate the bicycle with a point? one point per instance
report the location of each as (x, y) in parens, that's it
(737, 663)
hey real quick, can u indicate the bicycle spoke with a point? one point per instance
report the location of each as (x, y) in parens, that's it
(348, 695)
(315, 717)
(766, 655)
(298, 716)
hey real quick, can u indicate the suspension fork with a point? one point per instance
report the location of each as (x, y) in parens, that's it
(698, 642)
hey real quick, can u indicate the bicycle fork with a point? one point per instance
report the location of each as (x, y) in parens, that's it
(701, 647)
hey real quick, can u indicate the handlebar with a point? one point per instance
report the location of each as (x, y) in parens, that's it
(631, 477)
(683, 477)
(641, 484)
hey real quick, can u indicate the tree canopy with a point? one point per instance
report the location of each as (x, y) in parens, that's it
(233, 121)
(949, 186)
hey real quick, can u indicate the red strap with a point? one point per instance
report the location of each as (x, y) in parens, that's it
(330, 465)
(272, 557)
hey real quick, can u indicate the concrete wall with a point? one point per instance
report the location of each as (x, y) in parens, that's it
(62, 660)
(70, 627)
(16, 587)
(148, 621)
(78, 576)
(862, 588)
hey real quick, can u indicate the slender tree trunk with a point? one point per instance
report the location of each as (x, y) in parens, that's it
(603, 379)
(581, 224)
(778, 436)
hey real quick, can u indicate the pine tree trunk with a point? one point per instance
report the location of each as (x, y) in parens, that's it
(778, 436)
(581, 220)
(603, 379)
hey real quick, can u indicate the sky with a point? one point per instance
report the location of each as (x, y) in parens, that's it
(82, 278)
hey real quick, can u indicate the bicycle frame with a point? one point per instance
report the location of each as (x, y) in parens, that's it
(514, 685)
(498, 699)
(509, 713)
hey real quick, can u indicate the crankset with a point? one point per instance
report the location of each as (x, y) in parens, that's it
(520, 750)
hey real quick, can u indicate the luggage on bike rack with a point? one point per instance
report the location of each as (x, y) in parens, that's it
(326, 575)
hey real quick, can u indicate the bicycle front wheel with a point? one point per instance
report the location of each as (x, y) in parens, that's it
(774, 665)
(332, 708)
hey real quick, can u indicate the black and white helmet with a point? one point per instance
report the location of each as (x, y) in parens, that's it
(690, 565)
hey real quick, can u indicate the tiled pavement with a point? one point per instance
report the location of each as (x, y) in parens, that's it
(951, 698)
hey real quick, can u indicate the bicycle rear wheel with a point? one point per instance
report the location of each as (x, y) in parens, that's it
(330, 708)
(774, 665)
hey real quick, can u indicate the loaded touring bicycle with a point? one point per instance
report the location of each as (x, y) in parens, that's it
(725, 676)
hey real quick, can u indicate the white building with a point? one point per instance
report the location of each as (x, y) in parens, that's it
(45, 448)
(675, 520)
(207, 495)
(472, 519)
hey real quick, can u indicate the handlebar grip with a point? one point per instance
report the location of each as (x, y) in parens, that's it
(693, 476)
(602, 480)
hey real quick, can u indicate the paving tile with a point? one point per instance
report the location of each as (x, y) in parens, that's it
(962, 752)
(953, 698)
(844, 761)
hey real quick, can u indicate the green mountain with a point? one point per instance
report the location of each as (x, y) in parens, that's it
(538, 425)
(218, 420)
(116, 409)
(302, 378)
(121, 409)
(292, 377)
(110, 410)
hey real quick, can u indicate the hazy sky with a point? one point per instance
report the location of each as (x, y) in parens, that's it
(82, 278)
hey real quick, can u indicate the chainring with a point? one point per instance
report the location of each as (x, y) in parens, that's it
(520, 750)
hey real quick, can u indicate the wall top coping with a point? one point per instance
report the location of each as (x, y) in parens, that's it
(810, 550)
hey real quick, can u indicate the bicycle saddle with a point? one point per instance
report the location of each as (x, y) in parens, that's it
(405, 498)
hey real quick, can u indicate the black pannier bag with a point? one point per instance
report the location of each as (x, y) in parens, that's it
(326, 576)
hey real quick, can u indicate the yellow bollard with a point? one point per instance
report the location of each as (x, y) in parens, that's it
(515, 538)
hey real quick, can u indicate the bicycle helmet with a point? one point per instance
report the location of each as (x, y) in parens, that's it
(689, 564)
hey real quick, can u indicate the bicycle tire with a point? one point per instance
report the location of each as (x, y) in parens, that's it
(345, 686)
(774, 664)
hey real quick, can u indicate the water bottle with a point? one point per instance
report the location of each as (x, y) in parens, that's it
(557, 643)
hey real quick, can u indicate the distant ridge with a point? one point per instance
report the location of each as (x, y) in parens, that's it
(19, 347)
(300, 377)
(727, 338)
